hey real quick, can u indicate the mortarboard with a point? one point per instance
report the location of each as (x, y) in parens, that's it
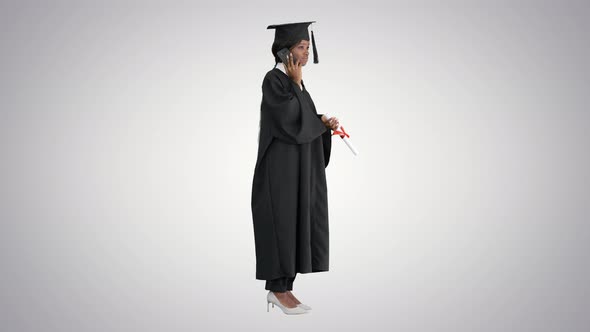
(289, 34)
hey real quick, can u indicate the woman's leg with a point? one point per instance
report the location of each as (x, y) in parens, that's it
(280, 287)
(290, 288)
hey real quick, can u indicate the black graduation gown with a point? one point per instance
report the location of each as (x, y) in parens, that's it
(289, 193)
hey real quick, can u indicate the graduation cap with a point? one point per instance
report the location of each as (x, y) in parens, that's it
(289, 34)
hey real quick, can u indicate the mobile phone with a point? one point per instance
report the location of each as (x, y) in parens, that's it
(283, 55)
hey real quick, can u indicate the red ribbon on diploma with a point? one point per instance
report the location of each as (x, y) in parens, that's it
(341, 133)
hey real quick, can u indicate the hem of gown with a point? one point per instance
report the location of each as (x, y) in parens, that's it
(282, 275)
(315, 271)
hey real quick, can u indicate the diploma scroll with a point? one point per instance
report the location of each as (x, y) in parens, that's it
(344, 135)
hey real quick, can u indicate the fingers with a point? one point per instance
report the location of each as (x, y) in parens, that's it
(287, 64)
(334, 123)
(291, 63)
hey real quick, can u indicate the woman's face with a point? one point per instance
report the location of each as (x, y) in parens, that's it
(301, 51)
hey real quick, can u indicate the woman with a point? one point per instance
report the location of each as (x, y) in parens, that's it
(289, 192)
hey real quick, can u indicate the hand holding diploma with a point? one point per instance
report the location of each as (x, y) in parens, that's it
(344, 135)
(330, 122)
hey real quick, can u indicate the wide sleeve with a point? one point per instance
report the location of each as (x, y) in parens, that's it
(290, 118)
(326, 142)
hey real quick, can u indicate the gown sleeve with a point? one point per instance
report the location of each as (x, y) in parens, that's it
(291, 119)
(327, 143)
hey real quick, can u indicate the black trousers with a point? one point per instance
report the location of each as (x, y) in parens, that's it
(280, 284)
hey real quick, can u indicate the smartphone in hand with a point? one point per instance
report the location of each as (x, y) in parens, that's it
(283, 55)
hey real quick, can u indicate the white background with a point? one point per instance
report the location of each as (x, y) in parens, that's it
(128, 137)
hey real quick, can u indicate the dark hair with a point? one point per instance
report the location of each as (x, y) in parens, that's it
(277, 46)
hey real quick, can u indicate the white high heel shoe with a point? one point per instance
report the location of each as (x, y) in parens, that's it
(304, 306)
(271, 298)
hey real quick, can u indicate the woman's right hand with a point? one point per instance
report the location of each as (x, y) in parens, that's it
(293, 69)
(331, 123)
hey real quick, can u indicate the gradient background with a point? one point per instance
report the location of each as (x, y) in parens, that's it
(128, 137)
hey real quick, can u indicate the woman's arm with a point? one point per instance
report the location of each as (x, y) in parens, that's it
(289, 119)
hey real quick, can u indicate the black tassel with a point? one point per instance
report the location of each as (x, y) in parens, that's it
(315, 50)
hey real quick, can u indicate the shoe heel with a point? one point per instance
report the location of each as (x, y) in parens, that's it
(267, 303)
